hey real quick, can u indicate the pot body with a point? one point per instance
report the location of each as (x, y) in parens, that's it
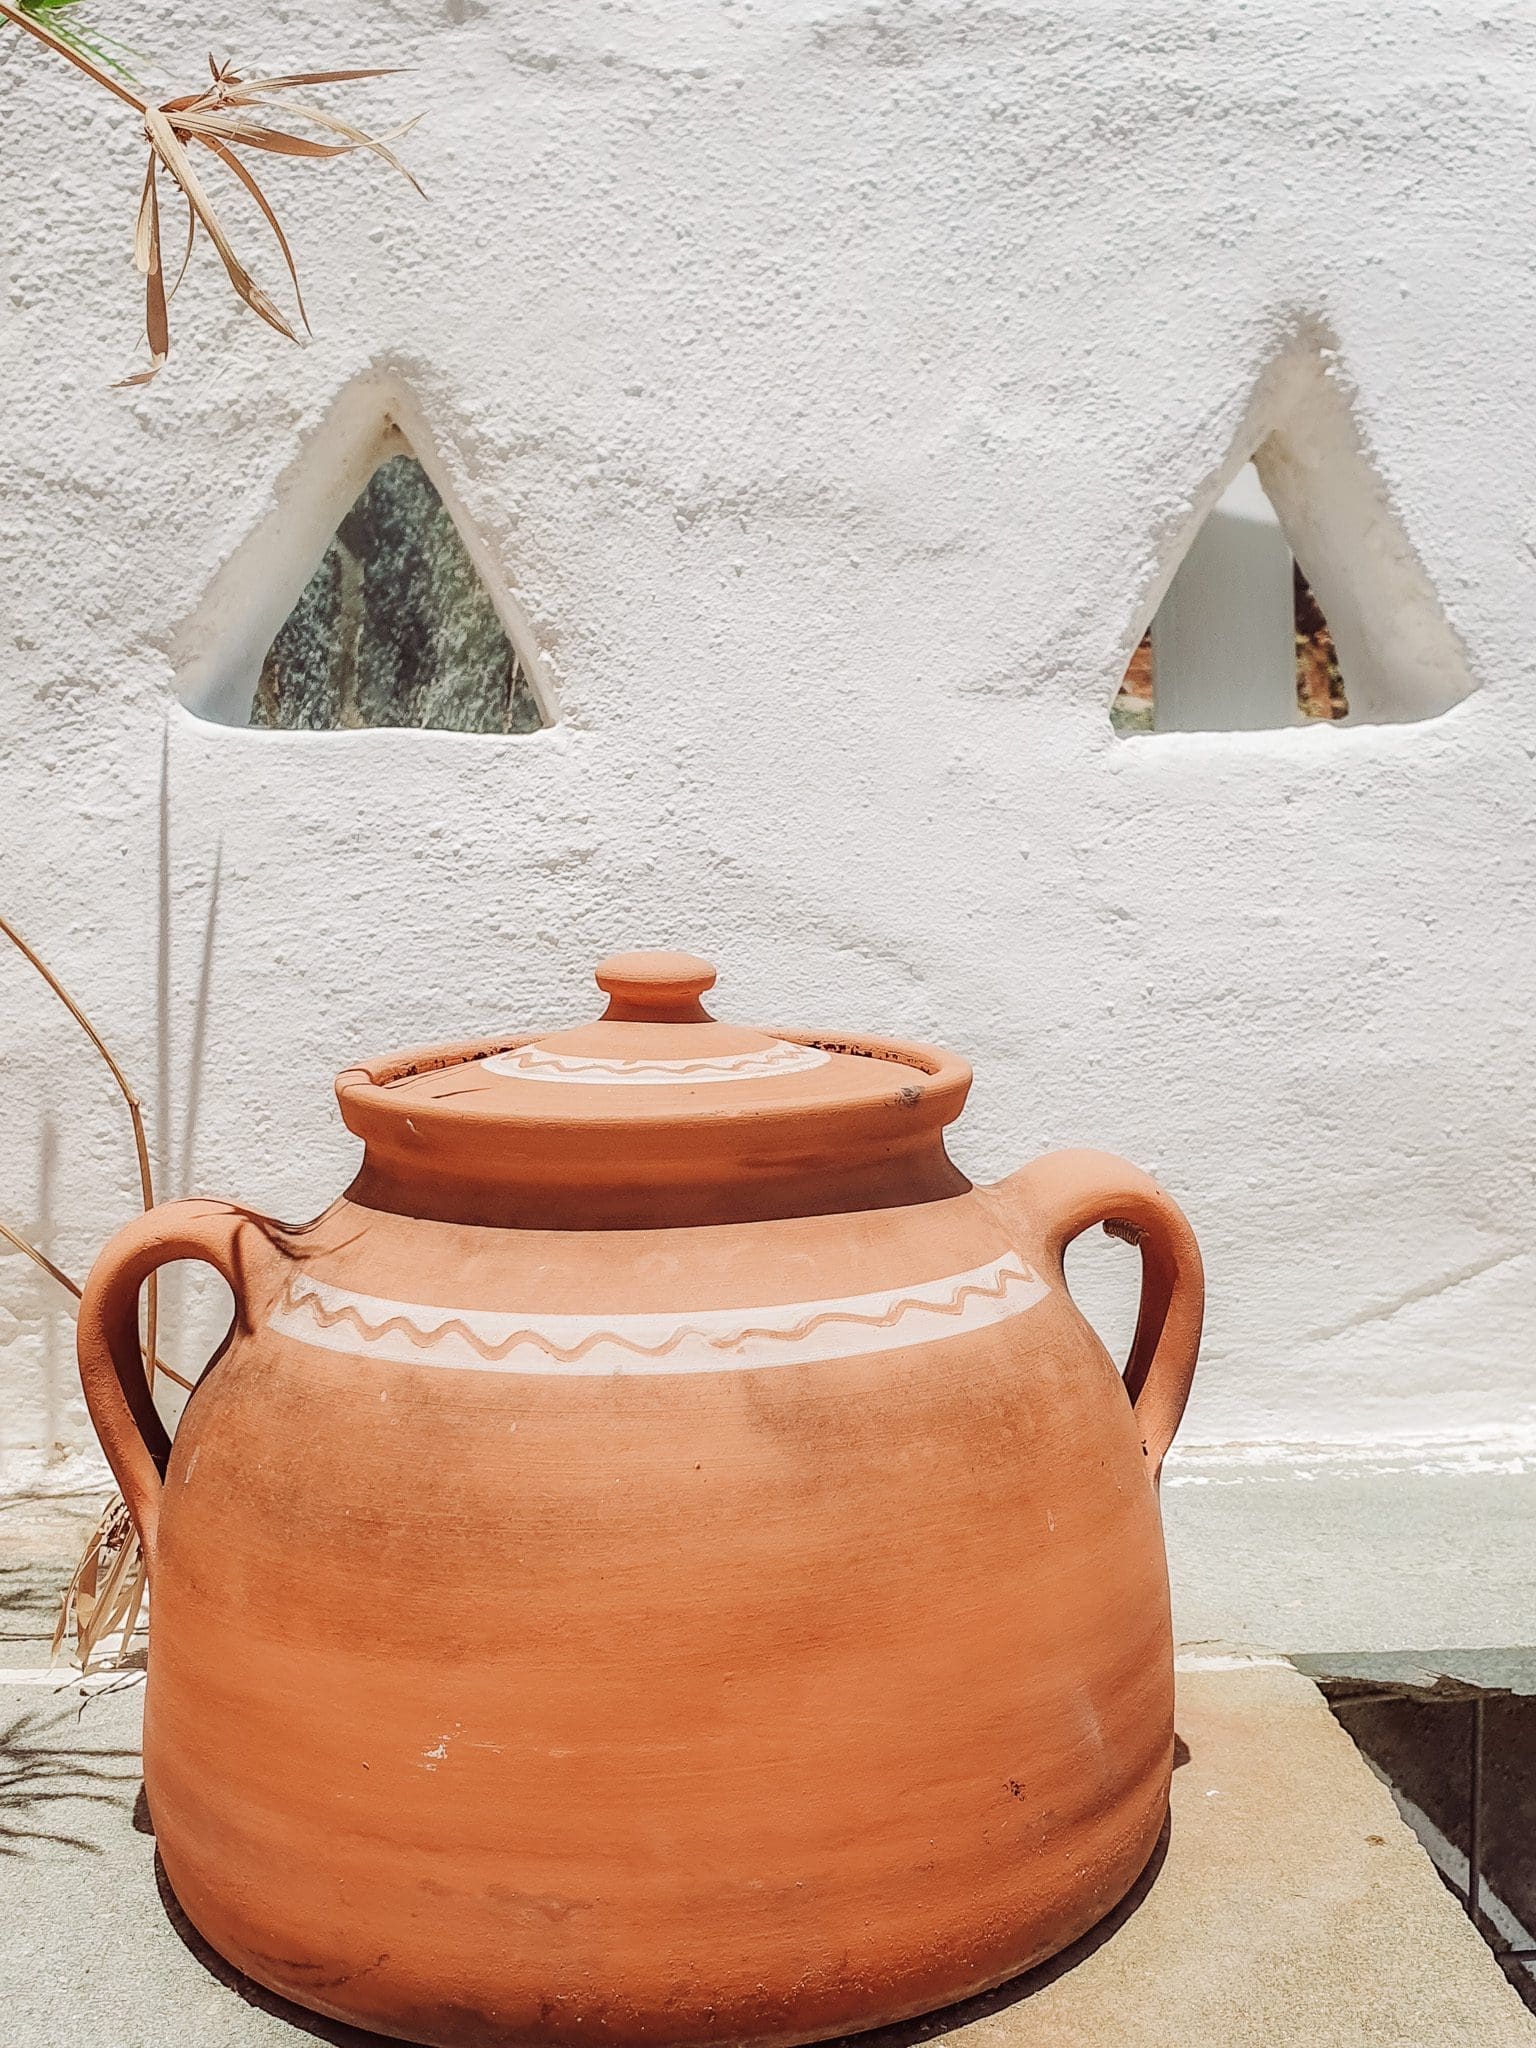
(747, 1633)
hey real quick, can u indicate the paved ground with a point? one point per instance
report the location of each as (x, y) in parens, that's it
(1291, 1905)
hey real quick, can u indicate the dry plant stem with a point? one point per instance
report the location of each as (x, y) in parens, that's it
(136, 1116)
(14, 1237)
(95, 1607)
(22, 1244)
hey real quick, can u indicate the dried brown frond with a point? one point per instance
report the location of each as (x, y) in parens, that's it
(105, 1597)
(224, 118)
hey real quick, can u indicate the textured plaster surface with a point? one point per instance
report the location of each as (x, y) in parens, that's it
(830, 389)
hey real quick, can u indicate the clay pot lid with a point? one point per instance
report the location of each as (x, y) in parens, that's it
(655, 1033)
(654, 1087)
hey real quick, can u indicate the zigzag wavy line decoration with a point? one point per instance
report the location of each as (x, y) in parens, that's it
(533, 1063)
(707, 1340)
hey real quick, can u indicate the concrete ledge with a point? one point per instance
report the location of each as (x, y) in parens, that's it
(1341, 1548)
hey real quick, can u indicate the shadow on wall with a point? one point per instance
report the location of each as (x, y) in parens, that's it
(1296, 596)
(195, 1305)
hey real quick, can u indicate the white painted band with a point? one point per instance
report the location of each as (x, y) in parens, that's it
(763, 1063)
(701, 1340)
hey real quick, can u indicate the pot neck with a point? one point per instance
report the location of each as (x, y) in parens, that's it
(698, 1192)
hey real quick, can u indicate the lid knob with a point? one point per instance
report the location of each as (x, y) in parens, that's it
(655, 988)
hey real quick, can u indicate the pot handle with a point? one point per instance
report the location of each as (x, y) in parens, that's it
(107, 1341)
(1064, 1194)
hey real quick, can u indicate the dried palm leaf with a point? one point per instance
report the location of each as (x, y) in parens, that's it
(166, 144)
(105, 1597)
(219, 118)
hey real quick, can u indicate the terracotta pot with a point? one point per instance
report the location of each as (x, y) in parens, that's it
(662, 1559)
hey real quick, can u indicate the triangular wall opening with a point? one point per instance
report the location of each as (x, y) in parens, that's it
(365, 599)
(1297, 597)
(395, 626)
(1239, 642)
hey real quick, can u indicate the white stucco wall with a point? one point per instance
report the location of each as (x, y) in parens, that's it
(833, 387)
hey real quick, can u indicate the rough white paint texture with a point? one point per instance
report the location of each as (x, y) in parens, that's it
(832, 389)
